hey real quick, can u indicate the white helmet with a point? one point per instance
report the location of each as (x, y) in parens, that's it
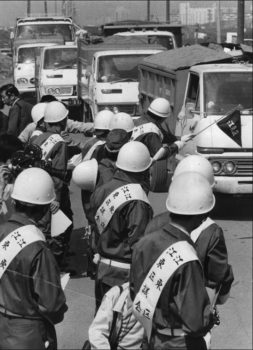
(134, 156)
(34, 186)
(102, 119)
(190, 194)
(160, 107)
(198, 164)
(123, 121)
(38, 111)
(55, 112)
(85, 175)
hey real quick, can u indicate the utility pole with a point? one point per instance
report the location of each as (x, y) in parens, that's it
(218, 26)
(148, 10)
(45, 7)
(168, 11)
(240, 21)
(28, 8)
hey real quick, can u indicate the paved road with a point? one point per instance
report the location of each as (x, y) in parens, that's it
(235, 331)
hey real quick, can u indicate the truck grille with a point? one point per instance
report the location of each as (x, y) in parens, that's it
(244, 167)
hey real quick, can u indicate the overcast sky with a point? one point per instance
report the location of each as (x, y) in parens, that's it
(96, 11)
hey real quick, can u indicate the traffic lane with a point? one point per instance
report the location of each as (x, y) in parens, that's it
(235, 329)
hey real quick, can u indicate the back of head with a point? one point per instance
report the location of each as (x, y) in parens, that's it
(197, 164)
(190, 194)
(115, 140)
(102, 120)
(160, 107)
(85, 175)
(33, 186)
(38, 111)
(9, 144)
(123, 121)
(48, 98)
(55, 112)
(9, 90)
(134, 157)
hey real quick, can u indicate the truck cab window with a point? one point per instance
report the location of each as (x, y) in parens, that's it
(193, 91)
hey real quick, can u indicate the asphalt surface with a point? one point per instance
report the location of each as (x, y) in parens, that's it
(234, 215)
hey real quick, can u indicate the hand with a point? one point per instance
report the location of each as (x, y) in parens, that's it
(54, 207)
(180, 144)
(186, 138)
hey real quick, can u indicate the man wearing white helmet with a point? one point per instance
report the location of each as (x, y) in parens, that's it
(38, 126)
(122, 120)
(101, 130)
(121, 211)
(55, 148)
(31, 298)
(167, 282)
(150, 130)
(208, 237)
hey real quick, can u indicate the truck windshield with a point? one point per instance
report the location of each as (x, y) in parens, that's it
(61, 58)
(227, 90)
(118, 68)
(26, 55)
(42, 31)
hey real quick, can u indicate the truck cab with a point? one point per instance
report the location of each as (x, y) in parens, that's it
(108, 75)
(214, 91)
(56, 73)
(24, 66)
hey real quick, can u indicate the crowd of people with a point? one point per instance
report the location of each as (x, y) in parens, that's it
(158, 279)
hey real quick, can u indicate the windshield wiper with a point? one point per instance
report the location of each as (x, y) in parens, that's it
(67, 65)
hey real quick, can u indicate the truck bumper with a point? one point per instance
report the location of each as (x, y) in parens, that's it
(233, 185)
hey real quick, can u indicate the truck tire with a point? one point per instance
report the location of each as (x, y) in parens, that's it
(159, 177)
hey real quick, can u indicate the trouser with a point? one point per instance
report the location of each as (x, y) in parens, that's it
(164, 342)
(101, 289)
(21, 333)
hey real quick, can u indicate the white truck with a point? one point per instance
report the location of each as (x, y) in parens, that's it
(108, 75)
(24, 66)
(203, 88)
(56, 74)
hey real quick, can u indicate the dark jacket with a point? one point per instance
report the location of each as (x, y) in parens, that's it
(19, 117)
(126, 226)
(184, 302)
(153, 140)
(212, 252)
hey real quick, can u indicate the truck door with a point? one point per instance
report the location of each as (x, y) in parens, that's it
(190, 111)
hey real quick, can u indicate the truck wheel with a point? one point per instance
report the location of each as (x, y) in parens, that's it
(159, 176)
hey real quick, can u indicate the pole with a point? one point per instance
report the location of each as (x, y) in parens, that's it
(45, 7)
(28, 8)
(148, 10)
(218, 26)
(240, 21)
(168, 11)
(55, 7)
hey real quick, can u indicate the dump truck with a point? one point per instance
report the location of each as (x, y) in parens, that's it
(108, 74)
(211, 96)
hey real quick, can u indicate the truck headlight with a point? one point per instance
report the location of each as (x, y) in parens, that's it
(57, 91)
(229, 167)
(50, 91)
(22, 81)
(216, 167)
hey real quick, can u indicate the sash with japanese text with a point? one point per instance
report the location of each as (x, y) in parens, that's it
(48, 145)
(196, 233)
(145, 129)
(88, 155)
(17, 240)
(112, 202)
(168, 262)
